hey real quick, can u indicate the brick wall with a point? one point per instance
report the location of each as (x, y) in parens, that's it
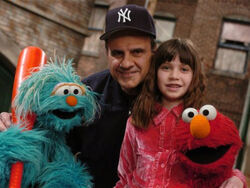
(88, 64)
(54, 26)
(226, 91)
(61, 26)
(91, 64)
(199, 20)
(183, 11)
(228, 95)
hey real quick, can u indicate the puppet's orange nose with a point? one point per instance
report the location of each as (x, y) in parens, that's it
(199, 126)
(71, 100)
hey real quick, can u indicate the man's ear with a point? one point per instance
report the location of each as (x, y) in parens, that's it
(106, 46)
(154, 49)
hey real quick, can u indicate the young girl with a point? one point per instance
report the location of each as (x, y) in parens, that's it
(174, 82)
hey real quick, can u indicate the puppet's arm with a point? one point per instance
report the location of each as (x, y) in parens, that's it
(64, 171)
(16, 145)
(237, 180)
(241, 176)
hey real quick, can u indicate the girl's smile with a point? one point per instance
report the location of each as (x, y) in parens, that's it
(173, 87)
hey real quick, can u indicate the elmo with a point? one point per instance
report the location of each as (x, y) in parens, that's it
(207, 144)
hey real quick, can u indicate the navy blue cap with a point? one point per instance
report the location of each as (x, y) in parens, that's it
(129, 17)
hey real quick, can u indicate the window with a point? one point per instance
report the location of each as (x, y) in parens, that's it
(233, 47)
(164, 28)
(96, 27)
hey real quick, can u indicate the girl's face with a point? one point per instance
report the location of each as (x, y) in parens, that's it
(173, 80)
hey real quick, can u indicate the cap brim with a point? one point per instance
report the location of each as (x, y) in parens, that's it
(107, 35)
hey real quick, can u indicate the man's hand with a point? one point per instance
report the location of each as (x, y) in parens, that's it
(233, 182)
(5, 121)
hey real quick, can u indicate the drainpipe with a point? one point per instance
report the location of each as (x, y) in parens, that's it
(245, 121)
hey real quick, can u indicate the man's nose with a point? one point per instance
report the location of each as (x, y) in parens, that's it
(127, 62)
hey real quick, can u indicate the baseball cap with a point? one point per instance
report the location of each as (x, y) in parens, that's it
(129, 17)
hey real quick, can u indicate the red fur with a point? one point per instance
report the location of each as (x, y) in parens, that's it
(223, 132)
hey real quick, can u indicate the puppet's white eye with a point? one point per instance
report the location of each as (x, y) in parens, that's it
(188, 114)
(63, 90)
(76, 90)
(209, 111)
(68, 89)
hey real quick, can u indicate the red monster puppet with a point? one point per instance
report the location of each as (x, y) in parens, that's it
(207, 144)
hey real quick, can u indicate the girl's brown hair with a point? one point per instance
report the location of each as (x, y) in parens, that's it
(144, 107)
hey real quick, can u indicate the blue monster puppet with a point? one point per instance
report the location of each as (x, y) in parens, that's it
(60, 101)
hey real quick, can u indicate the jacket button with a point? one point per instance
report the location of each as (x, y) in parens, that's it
(162, 165)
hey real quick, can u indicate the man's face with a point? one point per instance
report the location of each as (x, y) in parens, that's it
(129, 60)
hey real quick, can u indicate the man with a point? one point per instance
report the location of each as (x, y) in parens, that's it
(129, 40)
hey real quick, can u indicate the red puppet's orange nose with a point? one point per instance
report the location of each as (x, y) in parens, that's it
(71, 100)
(199, 127)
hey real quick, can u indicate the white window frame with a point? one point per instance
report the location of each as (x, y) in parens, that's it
(239, 46)
(167, 19)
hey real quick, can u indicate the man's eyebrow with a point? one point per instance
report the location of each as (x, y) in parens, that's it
(138, 49)
(116, 50)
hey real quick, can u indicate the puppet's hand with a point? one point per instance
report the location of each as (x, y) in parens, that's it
(19, 145)
(65, 174)
(5, 121)
(233, 182)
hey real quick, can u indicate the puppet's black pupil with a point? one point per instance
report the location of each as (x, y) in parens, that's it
(190, 114)
(66, 91)
(76, 91)
(205, 112)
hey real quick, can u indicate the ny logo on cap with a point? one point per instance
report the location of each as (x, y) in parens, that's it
(124, 14)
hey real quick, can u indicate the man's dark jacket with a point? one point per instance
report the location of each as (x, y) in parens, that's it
(99, 143)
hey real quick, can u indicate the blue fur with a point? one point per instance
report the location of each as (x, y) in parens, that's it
(26, 152)
(47, 159)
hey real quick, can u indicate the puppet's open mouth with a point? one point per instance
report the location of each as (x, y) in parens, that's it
(206, 155)
(64, 115)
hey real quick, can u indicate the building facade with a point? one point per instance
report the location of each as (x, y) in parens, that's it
(219, 28)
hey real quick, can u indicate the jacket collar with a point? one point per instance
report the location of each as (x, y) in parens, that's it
(176, 110)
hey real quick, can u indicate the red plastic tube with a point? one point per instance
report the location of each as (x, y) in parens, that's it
(29, 58)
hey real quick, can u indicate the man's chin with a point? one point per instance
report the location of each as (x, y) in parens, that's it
(129, 86)
(130, 89)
